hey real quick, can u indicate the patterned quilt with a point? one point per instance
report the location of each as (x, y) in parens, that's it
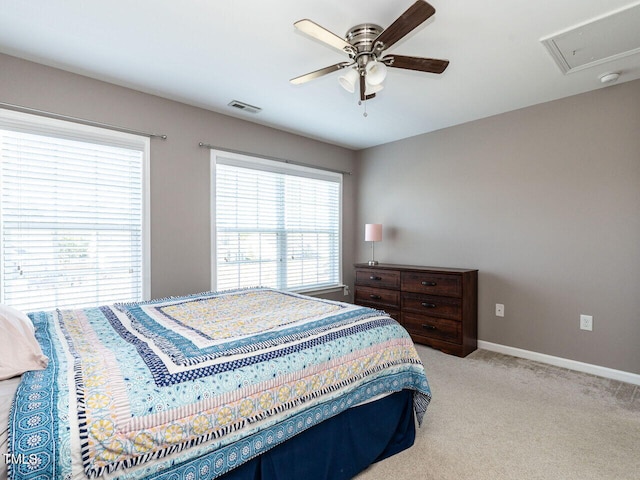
(198, 384)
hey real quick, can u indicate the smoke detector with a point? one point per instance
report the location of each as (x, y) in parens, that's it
(609, 77)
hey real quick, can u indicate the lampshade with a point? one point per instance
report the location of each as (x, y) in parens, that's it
(348, 80)
(373, 232)
(371, 89)
(376, 72)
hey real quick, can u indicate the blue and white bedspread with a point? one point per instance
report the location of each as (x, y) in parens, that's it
(194, 386)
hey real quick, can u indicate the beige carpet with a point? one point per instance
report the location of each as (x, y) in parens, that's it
(495, 417)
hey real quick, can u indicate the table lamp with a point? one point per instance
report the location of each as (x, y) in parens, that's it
(372, 233)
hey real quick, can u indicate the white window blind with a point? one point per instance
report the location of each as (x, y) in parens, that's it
(275, 225)
(72, 213)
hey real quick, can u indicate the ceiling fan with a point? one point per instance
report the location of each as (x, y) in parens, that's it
(365, 44)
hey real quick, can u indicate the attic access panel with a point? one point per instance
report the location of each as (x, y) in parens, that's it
(607, 38)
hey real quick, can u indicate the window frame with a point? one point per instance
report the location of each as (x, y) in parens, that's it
(278, 166)
(69, 130)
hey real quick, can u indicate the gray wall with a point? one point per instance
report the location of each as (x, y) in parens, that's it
(180, 226)
(544, 201)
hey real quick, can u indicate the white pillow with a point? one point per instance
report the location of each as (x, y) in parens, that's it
(19, 349)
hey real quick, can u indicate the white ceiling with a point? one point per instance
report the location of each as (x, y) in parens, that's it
(207, 53)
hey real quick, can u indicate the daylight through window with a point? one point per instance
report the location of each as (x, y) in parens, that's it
(276, 225)
(72, 211)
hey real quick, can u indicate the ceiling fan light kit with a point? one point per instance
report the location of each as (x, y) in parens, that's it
(375, 72)
(349, 80)
(372, 89)
(365, 44)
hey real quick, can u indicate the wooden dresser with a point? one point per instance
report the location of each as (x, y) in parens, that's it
(437, 306)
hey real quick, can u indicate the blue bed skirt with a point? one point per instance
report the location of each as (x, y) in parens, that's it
(341, 447)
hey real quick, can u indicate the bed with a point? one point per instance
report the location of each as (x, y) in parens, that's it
(245, 384)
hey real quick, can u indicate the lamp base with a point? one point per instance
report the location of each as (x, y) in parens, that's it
(373, 262)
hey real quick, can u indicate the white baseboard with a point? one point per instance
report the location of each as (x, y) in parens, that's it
(619, 375)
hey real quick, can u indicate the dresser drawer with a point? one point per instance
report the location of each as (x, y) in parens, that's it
(443, 307)
(432, 283)
(378, 278)
(431, 327)
(378, 297)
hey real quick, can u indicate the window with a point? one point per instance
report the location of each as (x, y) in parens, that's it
(276, 225)
(73, 220)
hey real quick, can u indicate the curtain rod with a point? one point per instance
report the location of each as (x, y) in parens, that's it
(57, 116)
(275, 159)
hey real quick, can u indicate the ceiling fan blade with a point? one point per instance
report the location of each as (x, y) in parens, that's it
(319, 73)
(325, 36)
(416, 14)
(431, 65)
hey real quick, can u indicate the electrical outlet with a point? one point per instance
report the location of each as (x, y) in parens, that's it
(586, 322)
(346, 290)
(499, 310)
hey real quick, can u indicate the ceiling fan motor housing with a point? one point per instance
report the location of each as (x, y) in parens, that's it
(362, 37)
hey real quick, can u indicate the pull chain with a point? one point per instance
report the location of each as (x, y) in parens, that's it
(365, 114)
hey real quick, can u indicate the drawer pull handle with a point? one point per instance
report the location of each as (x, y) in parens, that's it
(428, 305)
(375, 297)
(429, 284)
(429, 327)
(375, 278)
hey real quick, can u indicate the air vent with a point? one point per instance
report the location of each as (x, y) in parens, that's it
(244, 106)
(607, 38)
